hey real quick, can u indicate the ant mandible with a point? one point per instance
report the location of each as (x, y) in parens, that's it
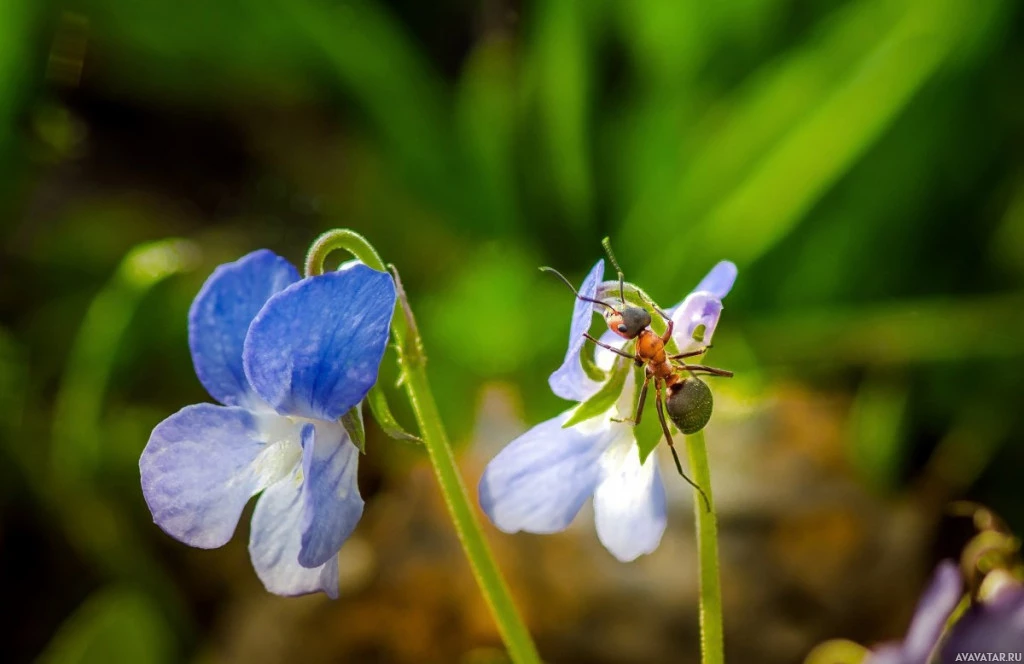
(686, 397)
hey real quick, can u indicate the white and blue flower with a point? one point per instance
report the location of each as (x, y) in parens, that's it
(287, 357)
(542, 479)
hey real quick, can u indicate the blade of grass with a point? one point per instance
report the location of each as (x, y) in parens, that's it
(816, 148)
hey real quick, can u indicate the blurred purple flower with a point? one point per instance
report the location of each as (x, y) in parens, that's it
(541, 480)
(286, 358)
(933, 610)
(994, 625)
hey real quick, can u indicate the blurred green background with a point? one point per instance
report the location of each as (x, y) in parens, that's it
(861, 161)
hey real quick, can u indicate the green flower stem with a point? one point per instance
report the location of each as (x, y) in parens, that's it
(711, 645)
(513, 631)
(414, 379)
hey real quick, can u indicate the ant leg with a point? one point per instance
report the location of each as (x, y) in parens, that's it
(691, 354)
(617, 351)
(671, 446)
(670, 324)
(705, 373)
(643, 398)
(635, 420)
(668, 329)
(725, 373)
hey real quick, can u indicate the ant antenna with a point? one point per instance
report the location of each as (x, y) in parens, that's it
(607, 244)
(576, 292)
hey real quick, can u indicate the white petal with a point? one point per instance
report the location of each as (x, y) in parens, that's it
(275, 541)
(629, 503)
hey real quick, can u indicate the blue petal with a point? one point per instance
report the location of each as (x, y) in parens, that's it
(541, 480)
(719, 280)
(629, 502)
(331, 501)
(220, 317)
(275, 542)
(569, 381)
(698, 309)
(198, 472)
(315, 348)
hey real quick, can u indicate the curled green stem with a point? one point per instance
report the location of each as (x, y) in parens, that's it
(711, 640)
(414, 379)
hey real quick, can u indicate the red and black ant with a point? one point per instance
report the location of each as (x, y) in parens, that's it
(686, 397)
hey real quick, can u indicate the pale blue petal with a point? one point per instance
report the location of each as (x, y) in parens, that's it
(220, 317)
(315, 348)
(719, 280)
(629, 502)
(331, 501)
(539, 482)
(198, 472)
(275, 541)
(698, 309)
(569, 381)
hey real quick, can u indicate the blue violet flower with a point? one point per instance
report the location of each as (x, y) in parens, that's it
(287, 357)
(541, 480)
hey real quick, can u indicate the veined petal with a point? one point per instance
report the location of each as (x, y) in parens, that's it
(698, 309)
(200, 468)
(719, 280)
(315, 348)
(275, 542)
(629, 502)
(570, 381)
(539, 482)
(331, 501)
(220, 316)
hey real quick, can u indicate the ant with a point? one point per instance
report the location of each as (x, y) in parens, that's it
(687, 399)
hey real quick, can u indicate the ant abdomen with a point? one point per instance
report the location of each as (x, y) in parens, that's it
(689, 404)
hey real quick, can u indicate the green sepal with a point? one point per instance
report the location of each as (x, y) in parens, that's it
(648, 433)
(353, 423)
(605, 397)
(590, 367)
(382, 413)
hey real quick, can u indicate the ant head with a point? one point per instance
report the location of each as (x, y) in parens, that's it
(629, 322)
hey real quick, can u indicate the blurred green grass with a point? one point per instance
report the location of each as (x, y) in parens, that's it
(861, 162)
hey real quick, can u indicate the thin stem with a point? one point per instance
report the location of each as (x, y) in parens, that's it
(513, 631)
(414, 379)
(711, 643)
